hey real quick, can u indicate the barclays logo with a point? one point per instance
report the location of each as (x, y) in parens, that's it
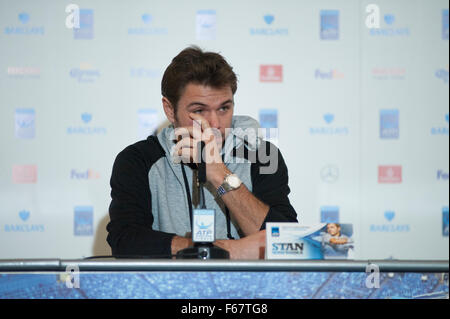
(147, 18)
(329, 129)
(24, 17)
(389, 215)
(389, 19)
(146, 29)
(86, 118)
(329, 118)
(269, 18)
(389, 227)
(24, 215)
(440, 130)
(269, 31)
(24, 29)
(23, 227)
(390, 29)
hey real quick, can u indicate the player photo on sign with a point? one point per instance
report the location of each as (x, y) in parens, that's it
(321, 241)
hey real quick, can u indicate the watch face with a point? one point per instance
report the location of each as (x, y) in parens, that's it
(233, 181)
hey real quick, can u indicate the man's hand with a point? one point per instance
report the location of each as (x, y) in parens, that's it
(248, 211)
(250, 247)
(179, 243)
(187, 148)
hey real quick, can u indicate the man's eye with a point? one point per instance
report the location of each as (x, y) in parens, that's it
(224, 108)
(198, 111)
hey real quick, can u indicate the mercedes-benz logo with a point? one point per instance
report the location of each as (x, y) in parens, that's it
(329, 173)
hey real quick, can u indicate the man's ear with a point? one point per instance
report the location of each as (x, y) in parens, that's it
(169, 110)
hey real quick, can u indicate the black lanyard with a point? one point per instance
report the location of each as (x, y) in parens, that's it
(186, 185)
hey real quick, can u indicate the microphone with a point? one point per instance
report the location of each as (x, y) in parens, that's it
(203, 224)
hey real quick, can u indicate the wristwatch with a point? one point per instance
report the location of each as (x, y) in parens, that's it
(231, 182)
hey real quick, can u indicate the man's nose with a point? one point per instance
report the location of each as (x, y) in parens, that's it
(213, 120)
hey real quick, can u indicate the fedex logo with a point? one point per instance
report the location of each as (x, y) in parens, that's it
(85, 174)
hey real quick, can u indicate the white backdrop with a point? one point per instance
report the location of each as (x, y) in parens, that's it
(362, 113)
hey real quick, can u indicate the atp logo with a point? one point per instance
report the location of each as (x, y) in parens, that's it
(329, 25)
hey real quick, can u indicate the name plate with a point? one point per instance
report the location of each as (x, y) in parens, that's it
(320, 241)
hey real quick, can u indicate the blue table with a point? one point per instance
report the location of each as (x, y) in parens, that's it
(198, 279)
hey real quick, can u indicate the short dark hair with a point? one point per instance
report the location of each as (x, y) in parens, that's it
(336, 224)
(192, 65)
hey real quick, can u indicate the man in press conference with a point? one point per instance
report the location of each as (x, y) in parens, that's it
(154, 181)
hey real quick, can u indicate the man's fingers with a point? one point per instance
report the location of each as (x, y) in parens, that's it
(188, 131)
(200, 120)
(187, 150)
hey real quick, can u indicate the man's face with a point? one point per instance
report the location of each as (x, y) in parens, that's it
(333, 230)
(215, 105)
